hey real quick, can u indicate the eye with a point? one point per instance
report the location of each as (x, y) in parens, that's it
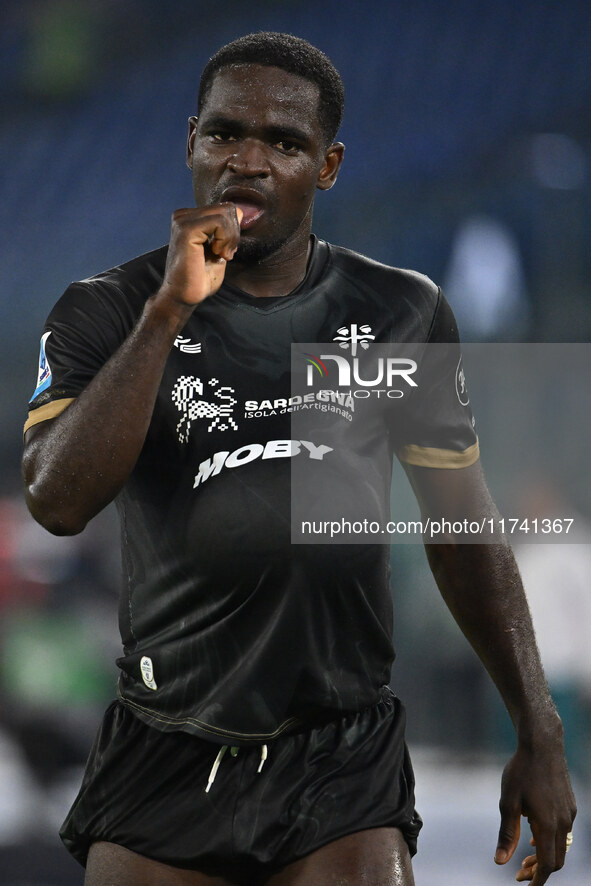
(287, 147)
(221, 137)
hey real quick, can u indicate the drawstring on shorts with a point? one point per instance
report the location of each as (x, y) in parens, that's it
(263, 757)
(234, 753)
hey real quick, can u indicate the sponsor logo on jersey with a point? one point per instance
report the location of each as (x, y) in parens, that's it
(351, 337)
(187, 346)
(44, 373)
(252, 451)
(260, 408)
(461, 389)
(186, 396)
(147, 672)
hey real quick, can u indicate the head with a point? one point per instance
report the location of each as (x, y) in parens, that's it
(269, 108)
(291, 54)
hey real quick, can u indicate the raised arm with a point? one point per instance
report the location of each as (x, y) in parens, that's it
(481, 586)
(77, 462)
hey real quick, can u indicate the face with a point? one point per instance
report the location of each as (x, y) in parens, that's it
(257, 143)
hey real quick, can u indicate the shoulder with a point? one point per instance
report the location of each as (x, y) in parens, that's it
(141, 276)
(118, 291)
(400, 281)
(355, 262)
(412, 296)
(145, 269)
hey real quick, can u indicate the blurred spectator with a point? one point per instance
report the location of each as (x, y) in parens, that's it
(62, 54)
(15, 587)
(557, 579)
(58, 637)
(484, 282)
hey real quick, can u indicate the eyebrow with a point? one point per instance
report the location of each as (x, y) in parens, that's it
(274, 133)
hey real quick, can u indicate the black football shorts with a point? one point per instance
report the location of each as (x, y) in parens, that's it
(266, 806)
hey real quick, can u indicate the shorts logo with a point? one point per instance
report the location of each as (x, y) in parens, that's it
(461, 389)
(147, 671)
(354, 336)
(44, 374)
(184, 397)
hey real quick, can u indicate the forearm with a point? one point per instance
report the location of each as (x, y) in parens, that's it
(482, 588)
(78, 464)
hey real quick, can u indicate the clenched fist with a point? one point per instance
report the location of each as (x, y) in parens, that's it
(202, 240)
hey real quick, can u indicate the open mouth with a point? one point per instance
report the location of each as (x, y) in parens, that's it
(250, 203)
(251, 213)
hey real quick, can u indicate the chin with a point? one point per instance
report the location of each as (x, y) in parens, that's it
(253, 251)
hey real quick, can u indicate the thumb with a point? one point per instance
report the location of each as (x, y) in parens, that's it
(508, 835)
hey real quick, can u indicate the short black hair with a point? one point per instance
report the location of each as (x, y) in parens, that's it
(291, 54)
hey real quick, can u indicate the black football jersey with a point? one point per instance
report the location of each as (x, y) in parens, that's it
(229, 629)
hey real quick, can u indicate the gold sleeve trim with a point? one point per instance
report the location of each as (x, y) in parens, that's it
(50, 410)
(429, 457)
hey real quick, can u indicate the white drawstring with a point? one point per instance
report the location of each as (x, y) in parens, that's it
(263, 757)
(234, 752)
(215, 767)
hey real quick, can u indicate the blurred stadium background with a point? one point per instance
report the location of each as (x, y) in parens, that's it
(468, 133)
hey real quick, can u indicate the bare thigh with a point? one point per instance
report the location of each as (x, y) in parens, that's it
(112, 865)
(376, 857)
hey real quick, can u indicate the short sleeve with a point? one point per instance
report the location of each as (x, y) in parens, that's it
(84, 329)
(436, 427)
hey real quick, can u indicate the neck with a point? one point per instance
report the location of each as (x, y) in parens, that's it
(279, 274)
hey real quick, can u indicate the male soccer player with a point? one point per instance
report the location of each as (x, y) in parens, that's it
(254, 739)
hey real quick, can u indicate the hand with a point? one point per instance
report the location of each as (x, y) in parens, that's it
(202, 240)
(536, 784)
(530, 862)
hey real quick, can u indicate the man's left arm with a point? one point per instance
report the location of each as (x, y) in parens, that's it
(480, 584)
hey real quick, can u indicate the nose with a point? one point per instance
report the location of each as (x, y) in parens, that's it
(249, 159)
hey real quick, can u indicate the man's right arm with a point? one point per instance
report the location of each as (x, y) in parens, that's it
(76, 463)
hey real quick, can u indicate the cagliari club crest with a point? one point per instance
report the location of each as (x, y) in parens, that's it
(350, 337)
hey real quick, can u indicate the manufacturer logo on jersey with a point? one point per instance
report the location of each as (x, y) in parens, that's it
(461, 389)
(147, 672)
(44, 373)
(354, 336)
(187, 346)
(184, 396)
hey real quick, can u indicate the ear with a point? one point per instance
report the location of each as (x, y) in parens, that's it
(332, 163)
(190, 140)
